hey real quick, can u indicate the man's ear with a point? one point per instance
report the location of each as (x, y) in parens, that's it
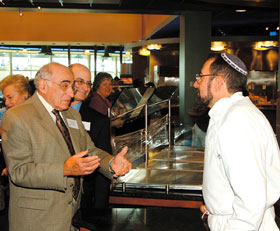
(219, 83)
(25, 95)
(42, 86)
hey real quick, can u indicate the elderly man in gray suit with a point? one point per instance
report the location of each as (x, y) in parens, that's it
(43, 170)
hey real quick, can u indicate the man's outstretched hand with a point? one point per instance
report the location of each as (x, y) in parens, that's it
(120, 164)
(81, 164)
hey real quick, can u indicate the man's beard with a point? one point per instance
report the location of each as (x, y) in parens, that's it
(208, 98)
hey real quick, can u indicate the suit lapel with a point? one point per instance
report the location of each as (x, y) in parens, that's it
(48, 123)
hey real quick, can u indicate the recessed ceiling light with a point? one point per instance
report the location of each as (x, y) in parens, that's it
(240, 10)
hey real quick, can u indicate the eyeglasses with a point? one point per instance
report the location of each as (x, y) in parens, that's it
(198, 77)
(64, 85)
(81, 82)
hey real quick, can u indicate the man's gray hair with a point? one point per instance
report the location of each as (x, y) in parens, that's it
(45, 72)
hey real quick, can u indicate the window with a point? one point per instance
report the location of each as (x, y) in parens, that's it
(14, 61)
(80, 58)
(4, 64)
(108, 64)
(61, 58)
(21, 64)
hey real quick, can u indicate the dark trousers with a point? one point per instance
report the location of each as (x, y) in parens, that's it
(96, 191)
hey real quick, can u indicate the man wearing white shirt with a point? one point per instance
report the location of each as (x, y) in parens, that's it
(242, 162)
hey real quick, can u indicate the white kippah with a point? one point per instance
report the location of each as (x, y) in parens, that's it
(235, 62)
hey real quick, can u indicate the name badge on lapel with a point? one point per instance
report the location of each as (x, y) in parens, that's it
(72, 123)
(86, 125)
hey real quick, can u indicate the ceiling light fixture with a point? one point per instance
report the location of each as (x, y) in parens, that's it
(90, 3)
(20, 12)
(87, 52)
(46, 50)
(154, 47)
(106, 53)
(127, 54)
(24, 51)
(218, 46)
(262, 46)
(240, 11)
(144, 51)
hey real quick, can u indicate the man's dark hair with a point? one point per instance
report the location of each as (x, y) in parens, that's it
(234, 79)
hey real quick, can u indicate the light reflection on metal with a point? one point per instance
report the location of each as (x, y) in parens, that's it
(169, 122)
(146, 135)
(153, 135)
(272, 59)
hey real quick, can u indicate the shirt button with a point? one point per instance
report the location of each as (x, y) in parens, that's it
(69, 202)
(71, 185)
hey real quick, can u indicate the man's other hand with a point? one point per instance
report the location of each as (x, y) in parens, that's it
(81, 164)
(120, 164)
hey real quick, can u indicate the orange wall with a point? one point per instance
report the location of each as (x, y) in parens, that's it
(151, 22)
(76, 27)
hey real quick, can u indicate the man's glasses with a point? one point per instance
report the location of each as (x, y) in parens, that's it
(64, 85)
(81, 82)
(198, 77)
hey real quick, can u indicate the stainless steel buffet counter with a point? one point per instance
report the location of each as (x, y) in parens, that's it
(177, 167)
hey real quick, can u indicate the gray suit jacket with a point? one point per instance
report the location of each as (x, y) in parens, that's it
(35, 152)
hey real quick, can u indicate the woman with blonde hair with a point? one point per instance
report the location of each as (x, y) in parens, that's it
(15, 89)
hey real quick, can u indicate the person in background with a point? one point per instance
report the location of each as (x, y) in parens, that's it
(99, 101)
(15, 89)
(137, 83)
(201, 120)
(242, 163)
(96, 187)
(47, 150)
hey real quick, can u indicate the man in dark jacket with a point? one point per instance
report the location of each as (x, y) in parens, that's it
(96, 187)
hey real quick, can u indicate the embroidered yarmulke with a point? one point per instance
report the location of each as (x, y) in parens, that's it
(235, 62)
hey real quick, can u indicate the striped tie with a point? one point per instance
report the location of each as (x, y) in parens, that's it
(66, 135)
